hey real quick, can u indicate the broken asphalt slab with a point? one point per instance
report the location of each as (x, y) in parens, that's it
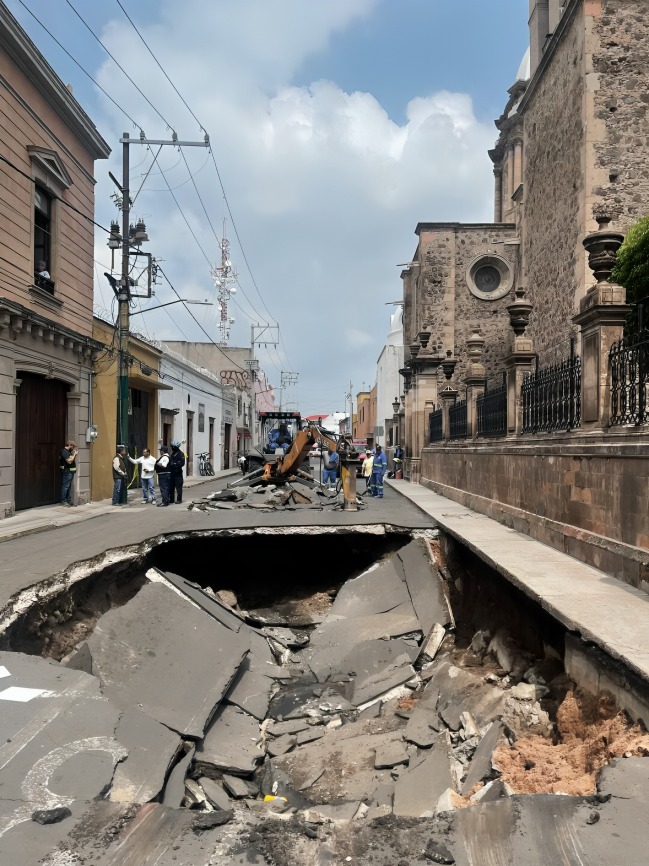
(230, 744)
(178, 675)
(59, 751)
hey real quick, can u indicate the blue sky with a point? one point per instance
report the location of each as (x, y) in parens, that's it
(336, 127)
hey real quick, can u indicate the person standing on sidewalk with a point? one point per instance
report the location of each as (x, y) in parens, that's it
(164, 475)
(119, 473)
(176, 463)
(147, 462)
(67, 462)
(379, 468)
(367, 468)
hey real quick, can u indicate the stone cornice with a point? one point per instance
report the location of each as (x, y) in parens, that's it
(19, 319)
(423, 227)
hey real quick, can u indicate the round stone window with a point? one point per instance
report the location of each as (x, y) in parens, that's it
(489, 277)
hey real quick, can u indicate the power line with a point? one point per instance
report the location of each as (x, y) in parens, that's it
(118, 64)
(146, 45)
(218, 173)
(76, 62)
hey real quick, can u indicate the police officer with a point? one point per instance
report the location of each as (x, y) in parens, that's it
(176, 463)
(164, 475)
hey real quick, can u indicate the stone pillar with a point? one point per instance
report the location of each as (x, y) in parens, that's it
(519, 363)
(498, 193)
(426, 397)
(74, 433)
(518, 165)
(510, 179)
(448, 396)
(601, 317)
(474, 381)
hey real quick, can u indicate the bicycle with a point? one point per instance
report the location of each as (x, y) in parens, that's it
(204, 465)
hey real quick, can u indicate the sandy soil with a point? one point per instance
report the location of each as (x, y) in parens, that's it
(590, 732)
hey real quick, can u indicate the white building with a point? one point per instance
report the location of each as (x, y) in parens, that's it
(199, 411)
(388, 385)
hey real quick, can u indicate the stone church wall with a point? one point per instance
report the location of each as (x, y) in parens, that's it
(553, 258)
(438, 289)
(621, 61)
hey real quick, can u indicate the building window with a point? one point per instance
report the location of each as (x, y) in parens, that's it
(43, 221)
(489, 277)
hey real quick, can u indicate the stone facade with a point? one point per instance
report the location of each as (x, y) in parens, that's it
(619, 44)
(574, 133)
(46, 211)
(438, 296)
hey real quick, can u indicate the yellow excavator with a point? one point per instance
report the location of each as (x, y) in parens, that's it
(293, 463)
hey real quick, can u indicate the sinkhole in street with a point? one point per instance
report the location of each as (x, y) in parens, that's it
(356, 673)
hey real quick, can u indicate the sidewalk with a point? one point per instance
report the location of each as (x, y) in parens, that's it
(48, 517)
(612, 615)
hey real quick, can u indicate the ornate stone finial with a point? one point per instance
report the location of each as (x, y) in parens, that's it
(423, 337)
(519, 312)
(448, 365)
(414, 349)
(475, 346)
(602, 247)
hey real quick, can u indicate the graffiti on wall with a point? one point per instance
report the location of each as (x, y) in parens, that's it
(239, 378)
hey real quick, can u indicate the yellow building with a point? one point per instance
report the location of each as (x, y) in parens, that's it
(143, 409)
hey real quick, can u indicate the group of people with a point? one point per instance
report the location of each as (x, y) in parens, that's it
(375, 466)
(168, 467)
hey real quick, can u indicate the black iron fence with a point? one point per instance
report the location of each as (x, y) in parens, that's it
(458, 420)
(435, 426)
(492, 411)
(551, 397)
(629, 360)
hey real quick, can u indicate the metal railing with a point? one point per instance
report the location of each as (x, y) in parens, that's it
(551, 397)
(44, 283)
(435, 426)
(457, 416)
(492, 411)
(629, 362)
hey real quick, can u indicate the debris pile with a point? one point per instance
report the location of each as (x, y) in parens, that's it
(298, 495)
(181, 713)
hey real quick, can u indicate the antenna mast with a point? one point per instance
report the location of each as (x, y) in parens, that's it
(224, 278)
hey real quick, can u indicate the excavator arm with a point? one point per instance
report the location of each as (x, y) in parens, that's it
(305, 439)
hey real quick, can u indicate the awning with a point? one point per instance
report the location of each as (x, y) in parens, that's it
(146, 383)
(244, 433)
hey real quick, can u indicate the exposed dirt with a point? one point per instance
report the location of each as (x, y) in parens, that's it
(591, 731)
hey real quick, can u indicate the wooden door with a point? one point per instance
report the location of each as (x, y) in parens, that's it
(227, 433)
(41, 420)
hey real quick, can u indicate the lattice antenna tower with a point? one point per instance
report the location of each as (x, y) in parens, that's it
(225, 278)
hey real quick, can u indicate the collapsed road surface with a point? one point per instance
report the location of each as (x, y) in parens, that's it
(352, 720)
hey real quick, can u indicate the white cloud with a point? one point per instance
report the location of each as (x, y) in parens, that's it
(325, 187)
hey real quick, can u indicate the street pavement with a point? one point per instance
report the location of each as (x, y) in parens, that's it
(37, 547)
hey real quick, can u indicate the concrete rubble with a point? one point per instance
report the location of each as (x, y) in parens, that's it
(301, 494)
(193, 736)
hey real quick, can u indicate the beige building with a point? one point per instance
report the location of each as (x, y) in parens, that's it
(47, 162)
(531, 409)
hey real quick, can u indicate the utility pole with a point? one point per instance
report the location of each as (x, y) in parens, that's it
(131, 236)
(285, 380)
(262, 335)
